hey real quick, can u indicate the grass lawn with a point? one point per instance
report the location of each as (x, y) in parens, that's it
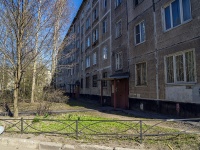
(93, 126)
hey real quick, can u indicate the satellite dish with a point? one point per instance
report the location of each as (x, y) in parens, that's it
(1, 129)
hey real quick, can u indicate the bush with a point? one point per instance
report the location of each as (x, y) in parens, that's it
(50, 96)
(57, 96)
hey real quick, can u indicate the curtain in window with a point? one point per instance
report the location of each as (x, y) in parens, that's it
(186, 10)
(167, 18)
(142, 31)
(176, 13)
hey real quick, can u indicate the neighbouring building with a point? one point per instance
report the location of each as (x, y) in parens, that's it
(137, 54)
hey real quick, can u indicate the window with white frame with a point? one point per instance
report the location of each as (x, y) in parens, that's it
(95, 13)
(177, 12)
(87, 61)
(118, 29)
(117, 2)
(118, 61)
(141, 75)
(105, 75)
(140, 32)
(104, 26)
(105, 53)
(180, 67)
(87, 23)
(105, 2)
(94, 58)
(95, 35)
(88, 41)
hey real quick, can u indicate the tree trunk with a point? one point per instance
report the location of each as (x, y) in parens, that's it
(36, 50)
(16, 93)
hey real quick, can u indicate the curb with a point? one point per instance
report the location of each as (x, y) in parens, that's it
(33, 144)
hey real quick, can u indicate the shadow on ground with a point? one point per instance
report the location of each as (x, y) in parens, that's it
(93, 104)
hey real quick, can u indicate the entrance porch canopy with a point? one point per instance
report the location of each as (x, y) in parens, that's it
(122, 75)
(114, 77)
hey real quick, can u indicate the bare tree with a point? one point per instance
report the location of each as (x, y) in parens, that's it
(32, 29)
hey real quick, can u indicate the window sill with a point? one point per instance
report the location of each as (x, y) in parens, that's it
(178, 25)
(116, 7)
(141, 85)
(118, 37)
(119, 70)
(138, 4)
(180, 84)
(140, 43)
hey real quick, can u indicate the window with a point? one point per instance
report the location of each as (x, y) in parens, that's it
(87, 82)
(94, 83)
(137, 2)
(140, 33)
(180, 67)
(94, 58)
(74, 28)
(105, 3)
(82, 15)
(87, 23)
(105, 75)
(82, 65)
(118, 29)
(95, 35)
(82, 48)
(117, 3)
(176, 13)
(77, 44)
(104, 25)
(87, 61)
(82, 29)
(78, 29)
(88, 6)
(88, 41)
(141, 74)
(118, 61)
(81, 82)
(95, 14)
(105, 53)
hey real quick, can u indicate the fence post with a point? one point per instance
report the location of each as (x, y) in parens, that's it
(76, 129)
(141, 136)
(22, 122)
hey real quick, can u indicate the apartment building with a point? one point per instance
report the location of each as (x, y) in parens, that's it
(137, 54)
(164, 59)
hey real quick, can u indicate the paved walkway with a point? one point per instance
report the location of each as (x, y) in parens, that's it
(3, 147)
(7, 143)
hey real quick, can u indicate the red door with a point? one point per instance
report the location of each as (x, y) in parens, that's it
(121, 88)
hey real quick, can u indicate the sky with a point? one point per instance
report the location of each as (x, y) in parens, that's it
(77, 4)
